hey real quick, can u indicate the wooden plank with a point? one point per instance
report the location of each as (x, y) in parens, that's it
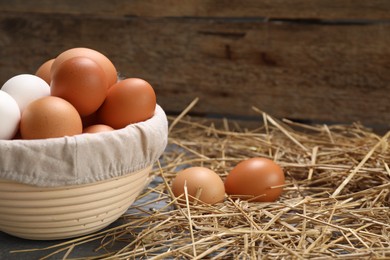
(297, 9)
(319, 72)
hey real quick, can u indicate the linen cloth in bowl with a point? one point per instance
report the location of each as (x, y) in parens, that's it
(65, 187)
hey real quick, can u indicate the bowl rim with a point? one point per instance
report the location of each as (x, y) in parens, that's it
(85, 158)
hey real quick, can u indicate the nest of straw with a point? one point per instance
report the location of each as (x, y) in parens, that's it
(335, 202)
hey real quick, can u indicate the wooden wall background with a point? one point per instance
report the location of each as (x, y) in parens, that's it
(314, 60)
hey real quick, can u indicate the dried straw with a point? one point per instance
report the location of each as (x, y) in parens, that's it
(335, 202)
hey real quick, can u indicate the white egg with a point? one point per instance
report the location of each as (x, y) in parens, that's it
(9, 116)
(25, 88)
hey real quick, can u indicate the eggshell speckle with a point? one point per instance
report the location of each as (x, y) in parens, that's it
(200, 181)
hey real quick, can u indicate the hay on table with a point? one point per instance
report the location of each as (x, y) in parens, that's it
(335, 202)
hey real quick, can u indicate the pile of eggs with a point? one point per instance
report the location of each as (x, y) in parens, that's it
(76, 92)
(79, 92)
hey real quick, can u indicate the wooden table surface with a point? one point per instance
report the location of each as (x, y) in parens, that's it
(11, 243)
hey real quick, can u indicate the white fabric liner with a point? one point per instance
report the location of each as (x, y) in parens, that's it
(85, 158)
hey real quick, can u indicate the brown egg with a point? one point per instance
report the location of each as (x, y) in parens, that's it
(106, 64)
(44, 71)
(253, 179)
(129, 101)
(82, 82)
(49, 117)
(201, 182)
(97, 129)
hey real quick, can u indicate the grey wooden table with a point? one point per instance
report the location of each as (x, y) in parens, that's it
(10, 243)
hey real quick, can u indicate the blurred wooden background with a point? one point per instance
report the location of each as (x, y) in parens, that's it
(324, 61)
